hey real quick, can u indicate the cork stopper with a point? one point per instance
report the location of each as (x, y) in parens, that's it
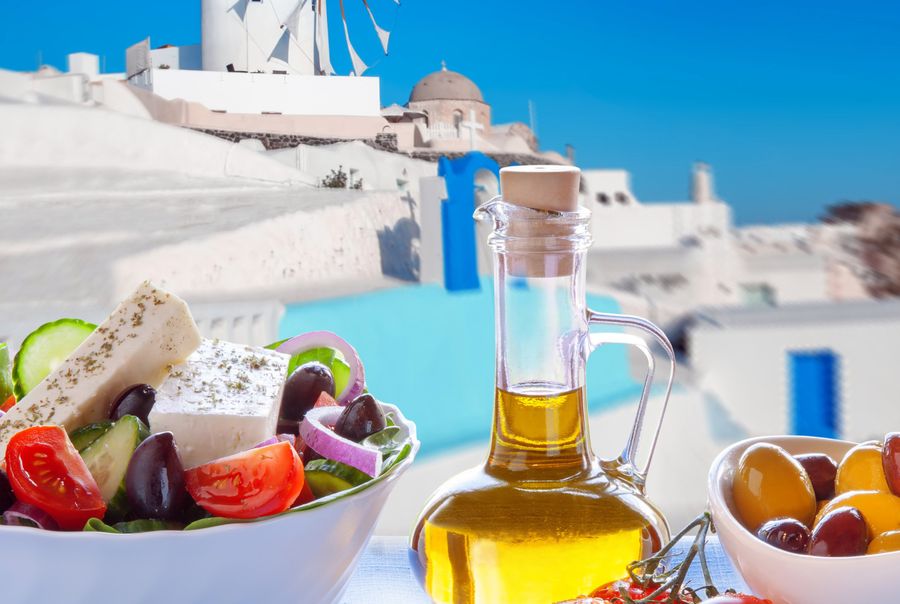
(544, 189)
(552, 188)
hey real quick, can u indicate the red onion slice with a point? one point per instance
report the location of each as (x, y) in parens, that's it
(326, 339)
(25, 514)
(269, 441)
(278, 438)
(287, 438)
(320, 438)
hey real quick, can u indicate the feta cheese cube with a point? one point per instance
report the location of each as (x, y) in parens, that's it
(147, 333)
(224, 399)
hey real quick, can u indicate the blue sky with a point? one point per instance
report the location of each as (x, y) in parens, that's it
(795, 103)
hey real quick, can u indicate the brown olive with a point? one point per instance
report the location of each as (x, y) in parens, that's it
(822, 472)
(841, 532)
(891, 461)
(788, 534)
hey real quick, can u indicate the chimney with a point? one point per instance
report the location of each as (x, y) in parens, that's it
(702, 190)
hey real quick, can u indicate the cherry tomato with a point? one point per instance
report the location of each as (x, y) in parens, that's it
(8, 404)
(611, 592)
(45, 470)
(251, 484)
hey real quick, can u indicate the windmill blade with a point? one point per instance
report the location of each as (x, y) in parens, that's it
(292, 23)
(359, 67)
(324, 53)
(282, 47)
(383, 34)
(240, 8)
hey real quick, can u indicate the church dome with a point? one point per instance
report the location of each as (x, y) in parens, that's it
(445, 85)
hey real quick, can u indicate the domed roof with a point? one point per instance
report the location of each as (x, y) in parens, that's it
(445, 85)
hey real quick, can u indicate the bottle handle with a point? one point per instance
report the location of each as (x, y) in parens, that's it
(625, 466)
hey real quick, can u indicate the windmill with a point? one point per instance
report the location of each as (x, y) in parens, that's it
(284, 36)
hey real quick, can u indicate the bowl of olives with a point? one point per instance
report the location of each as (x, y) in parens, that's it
(811, 520)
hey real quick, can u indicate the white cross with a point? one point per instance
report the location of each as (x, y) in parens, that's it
(473, 127)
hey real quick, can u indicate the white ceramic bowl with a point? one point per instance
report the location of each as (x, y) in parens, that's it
(787, 578)
(305, 556)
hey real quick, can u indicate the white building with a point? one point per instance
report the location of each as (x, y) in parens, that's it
(683, 255)
(806, 368)
(259, 58)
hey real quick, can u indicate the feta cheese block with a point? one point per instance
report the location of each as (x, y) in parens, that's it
(224, 399)
(145, 335)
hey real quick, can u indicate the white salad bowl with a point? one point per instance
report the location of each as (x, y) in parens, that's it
(787, 578)
(304, 556)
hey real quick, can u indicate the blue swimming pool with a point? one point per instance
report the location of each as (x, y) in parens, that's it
(430, 352)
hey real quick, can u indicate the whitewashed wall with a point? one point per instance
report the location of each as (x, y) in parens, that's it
(61, 136)
(319, 249)
(655, 225)
(744, 363)
(378, 170)
(267, 92)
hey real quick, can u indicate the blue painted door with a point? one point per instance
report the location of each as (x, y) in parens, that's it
(458, 227)
(814, 392)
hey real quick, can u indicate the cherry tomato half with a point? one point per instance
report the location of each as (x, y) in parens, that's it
(250, 484)
(45, 470)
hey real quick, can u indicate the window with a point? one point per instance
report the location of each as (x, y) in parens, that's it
(758, 294)
(621, 198)
(457, 122)
(603, 198)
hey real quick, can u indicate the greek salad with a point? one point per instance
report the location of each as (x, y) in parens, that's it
(139, 424)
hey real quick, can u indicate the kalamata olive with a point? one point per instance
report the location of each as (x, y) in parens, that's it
(7, 497)
(862, 470)
(770, 484)
(154, 480)
(841, 532)
(361, 418)
(890, 461)
(785, 533)
(822, 471)
(288, 426)
(135, 400)
(309, 455)
(302, 389)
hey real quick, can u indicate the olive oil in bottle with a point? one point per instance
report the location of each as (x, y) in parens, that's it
(537, 524)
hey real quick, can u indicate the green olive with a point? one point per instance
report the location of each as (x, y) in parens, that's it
(770, 484)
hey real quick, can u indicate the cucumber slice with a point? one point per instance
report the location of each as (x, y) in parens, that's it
(107, 459)
(144, 526)
(85, 436)
(326, 476)
(45, 349)
(6, 383)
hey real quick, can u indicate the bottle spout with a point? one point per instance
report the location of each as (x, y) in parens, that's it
(492, 210)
